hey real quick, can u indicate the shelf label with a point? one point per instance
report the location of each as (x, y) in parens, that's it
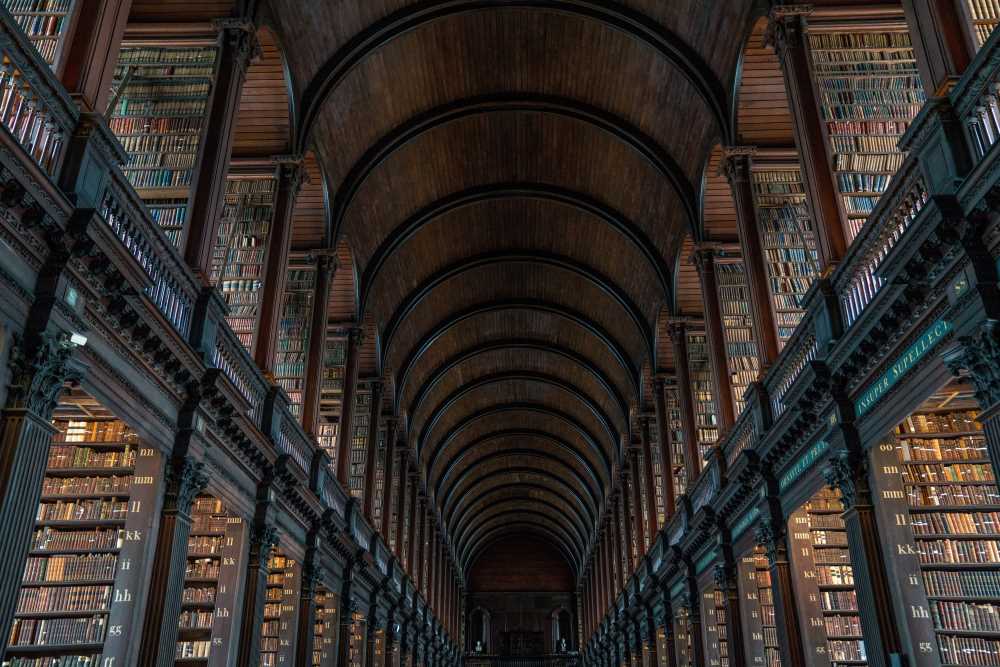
(799, 467)
(917, 351)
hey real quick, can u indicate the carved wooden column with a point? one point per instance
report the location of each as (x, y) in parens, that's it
(291, 174)
(771, 533)
(621, 551)
(651, 636)
(704, 260)
(787, 33)
(345, 432)
(737, 165)
(666, 460)
(346, 618)
(388, 486)
(404, 478)
(942, 42)
(312, 573)
(371, 629)
(374, 424)
(90, 51)
(602, 573)
(237, 47)
(417, 564)
(183, 480)
(638, 481)
(625, 504)
(692, 603)
(848, 471)
(326, 266)
(678, 337)
(669, 641)
(411, 541)
(263, 537)
(725, 581)
(979, 355)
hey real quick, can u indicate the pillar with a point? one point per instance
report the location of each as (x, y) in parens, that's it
(726, 581)
(90, 51)
(663, 433)
(237, 47)
(704, 260)
(388, 486)
(326, 265)
(651, 636)
(771, 533)
(942, 42)
(411, 542)
(312, 573)
(345, 433)
(787, 34)
(371, 631)
(374, 424)
(737, 164)
(291, 173)
(848, 472)
(678, 338)
(669, 641)
(625, 507)
(183, 480)
(401, 501)
(263, 537)
(638, 481)
(346, 618)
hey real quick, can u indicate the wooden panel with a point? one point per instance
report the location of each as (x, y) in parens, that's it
(343, 292)
(262, 127)
(540, 568)
(179, 10)
(689, 301)
(309, 218)
(718, 210)
(763, 117)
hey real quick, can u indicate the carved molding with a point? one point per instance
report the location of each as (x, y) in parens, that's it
(979, 354)
(37, 375)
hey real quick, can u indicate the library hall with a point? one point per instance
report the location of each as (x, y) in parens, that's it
(499, 333)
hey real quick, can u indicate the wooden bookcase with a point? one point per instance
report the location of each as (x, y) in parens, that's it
(325, 629)
(737, 327)
(359, 441)
(44, 22)
(88, 552)
(788, 241)
(277, 636)
(713, 623)
(869, 90)
(760, 633)
(379, 481)
(293, 331)
(683, 637)
(677, 441)
(702, 394)
(211, 580)
(331, 394)
(658, 486)
(983, 16)
(824, 590)
(359, 627)
(157, 110)
(241, 245)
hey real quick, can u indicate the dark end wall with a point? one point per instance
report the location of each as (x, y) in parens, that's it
(521, 565)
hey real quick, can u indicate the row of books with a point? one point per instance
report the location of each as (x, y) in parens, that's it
(198, 595)
(963, 448)
(942, 551)
(952, 495)
(63, 457)
(960, 421)
(964, 523)
(948, 472)
(161, 127)
(984, 10)
(981, 583)
(158, 178)
(91, 509)
(966, 616)
(62, 486)
(141, 55)
(195, 619)
(202, 568)
(186, 650)
(205, 544)
(162, 89)
(839, 600)
(58, 631)
(858, 182)
(843, 626)
(63, 598)
(140, 161)
(155, 143)
(972, 651)
(98, 539)
(84, 567)
(97, 431)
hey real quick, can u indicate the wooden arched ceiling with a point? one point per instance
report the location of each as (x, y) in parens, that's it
(514, 180)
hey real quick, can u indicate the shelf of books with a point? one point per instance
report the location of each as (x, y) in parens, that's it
(325, 629)
(331, 394)
(359, 441)
(76, 605)
(678, 469)
(757, 610)
(159, 100)
(683, 639)
(277, 634)
(936, 471)
(293, 332)
(788, 241)
(825, 596)
(702, 394)
(397, 488)
(869, 90)
(983, 17)
(359, 627)
(379, 481)
(211, 580)
(44, 22)
(737, 327)
(657, 490)
(713, 623)
(238, 254)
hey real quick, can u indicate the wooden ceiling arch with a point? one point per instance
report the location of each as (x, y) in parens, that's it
(520, 490)
(502, 520)
(476, 515)
(516, 528)
(504, 512)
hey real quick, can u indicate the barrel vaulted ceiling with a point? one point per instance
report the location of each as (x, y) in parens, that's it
(514, 180)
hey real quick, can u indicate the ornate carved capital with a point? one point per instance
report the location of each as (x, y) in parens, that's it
(771, 536)
(263, 538)
(676, 331)
(722, 576)
(241, 36)
(703, 258)
(37, 374)
(312, 574)
(736, 163)
(786, 27)
(848, 474)
(185, 479)
(292, 173)
(356, 336)
(979, 354)
(326, 264)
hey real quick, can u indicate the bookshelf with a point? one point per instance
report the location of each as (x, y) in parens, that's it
(658, 486)
(788, 241)
(679, 470)
(77, 599)
(702, 394)
(331, 394)
(293, 332)
(379, 481)
(713, 620)
(869, 90)
(983, 17)
(356, 656)
(44, 22)
(825, 593)
(737, 327)
(757, 609)
(159, 99)
(238, 254)
(325, 629)
(397, 486)
(210, 582)
(954, 523)
(683, 638)
(359, 441)
(277, 635)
